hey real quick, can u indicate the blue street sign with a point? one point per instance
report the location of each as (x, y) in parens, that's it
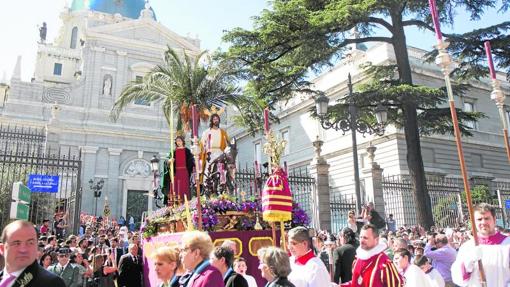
(507, 203)
(43, 183)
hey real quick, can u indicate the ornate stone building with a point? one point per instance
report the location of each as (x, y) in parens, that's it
(101, 46)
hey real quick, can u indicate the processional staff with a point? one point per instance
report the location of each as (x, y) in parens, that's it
(443, 60)
(194, 118)
(498, 97)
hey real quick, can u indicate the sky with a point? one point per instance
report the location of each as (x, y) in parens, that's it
(207, 19)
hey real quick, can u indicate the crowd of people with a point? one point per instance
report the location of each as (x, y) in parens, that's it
(360, 255)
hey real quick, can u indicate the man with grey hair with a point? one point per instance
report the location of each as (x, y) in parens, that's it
(307, 269)
(130, 268)
(19, 249)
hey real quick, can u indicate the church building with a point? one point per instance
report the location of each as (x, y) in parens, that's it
(101, 46)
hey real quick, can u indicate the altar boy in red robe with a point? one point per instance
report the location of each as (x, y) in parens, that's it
(372, 267)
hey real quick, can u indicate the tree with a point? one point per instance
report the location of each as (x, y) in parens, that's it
(183, 81)
(299, 37)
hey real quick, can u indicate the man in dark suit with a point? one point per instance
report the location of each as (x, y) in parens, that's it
(222, 258)
(116, 250)
(130, 268)
(19, 248)
(63, 269)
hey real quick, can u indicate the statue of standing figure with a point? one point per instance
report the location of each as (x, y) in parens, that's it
(42, 32)
(107, 86)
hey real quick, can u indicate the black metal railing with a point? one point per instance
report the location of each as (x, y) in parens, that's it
(340, 205)
(248, 184)
(22, 152)
(447, 199)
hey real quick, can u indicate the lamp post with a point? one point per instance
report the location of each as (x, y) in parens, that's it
(354, 125)
(96, 187)
(155, 172)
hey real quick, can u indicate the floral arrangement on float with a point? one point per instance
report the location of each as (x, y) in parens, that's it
(219, 213)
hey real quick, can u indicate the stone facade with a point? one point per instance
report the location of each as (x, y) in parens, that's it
(76, 81)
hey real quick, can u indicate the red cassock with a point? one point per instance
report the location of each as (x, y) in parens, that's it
(276, 198)
(181, 177)
(376, 271)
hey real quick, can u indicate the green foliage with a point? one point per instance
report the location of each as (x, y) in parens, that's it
(479, 194)
(182, 81)
(442, 211)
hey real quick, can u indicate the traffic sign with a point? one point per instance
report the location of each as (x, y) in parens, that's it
(19, 211)
(43, 183)
(20, 192)
(507, 203)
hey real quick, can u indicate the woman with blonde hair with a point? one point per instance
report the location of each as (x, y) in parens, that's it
(101, 273)
(196, 246)
(274, 266)
(168, 266)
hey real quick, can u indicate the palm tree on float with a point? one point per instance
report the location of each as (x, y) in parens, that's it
(181, 82)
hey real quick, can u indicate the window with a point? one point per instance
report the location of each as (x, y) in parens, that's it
(285, 137)
(74, 37)
(469, 107)
(258, 152)
(141, 102)
(57, 69)
(476, 160)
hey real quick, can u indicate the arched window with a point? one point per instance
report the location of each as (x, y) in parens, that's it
(74, 37)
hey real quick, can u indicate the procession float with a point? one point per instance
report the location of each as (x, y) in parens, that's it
(221, 209)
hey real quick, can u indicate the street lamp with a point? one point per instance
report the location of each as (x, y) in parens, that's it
(353, 124)
(155, 172)
(96, 187)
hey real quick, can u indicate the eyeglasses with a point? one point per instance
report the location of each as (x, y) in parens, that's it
(62, 255)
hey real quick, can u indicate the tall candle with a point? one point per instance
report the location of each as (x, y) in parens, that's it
(193, 120)
(209, 142)
(266, 120)
(435, 19)
(489, 59)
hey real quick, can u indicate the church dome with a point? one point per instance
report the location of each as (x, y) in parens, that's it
(127, 8)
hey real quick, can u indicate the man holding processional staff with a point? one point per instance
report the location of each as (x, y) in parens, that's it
(484, 260)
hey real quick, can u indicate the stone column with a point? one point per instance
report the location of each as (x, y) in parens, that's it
(373, 182)
(114, 190)
(320, 201)
(88, 157)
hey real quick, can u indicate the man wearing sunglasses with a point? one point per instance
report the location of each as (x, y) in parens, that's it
(65, 270)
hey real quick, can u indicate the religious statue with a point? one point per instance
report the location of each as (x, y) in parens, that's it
(183, 163)
(214, 140)
(42, 32)
(107, 86)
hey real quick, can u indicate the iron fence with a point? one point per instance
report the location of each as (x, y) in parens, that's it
(23, 152)
(447, 199)
(249, 183)
(340, 205)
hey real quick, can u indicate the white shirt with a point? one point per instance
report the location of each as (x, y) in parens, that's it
(251, 281)
(415, 277)
(496, 264)
(435, 278)
(15, 273)
(312, 274)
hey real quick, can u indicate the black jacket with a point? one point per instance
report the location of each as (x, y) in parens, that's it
(343, 257)
(36, 276)
(235, 279)
(280, 282)
(130, 273)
